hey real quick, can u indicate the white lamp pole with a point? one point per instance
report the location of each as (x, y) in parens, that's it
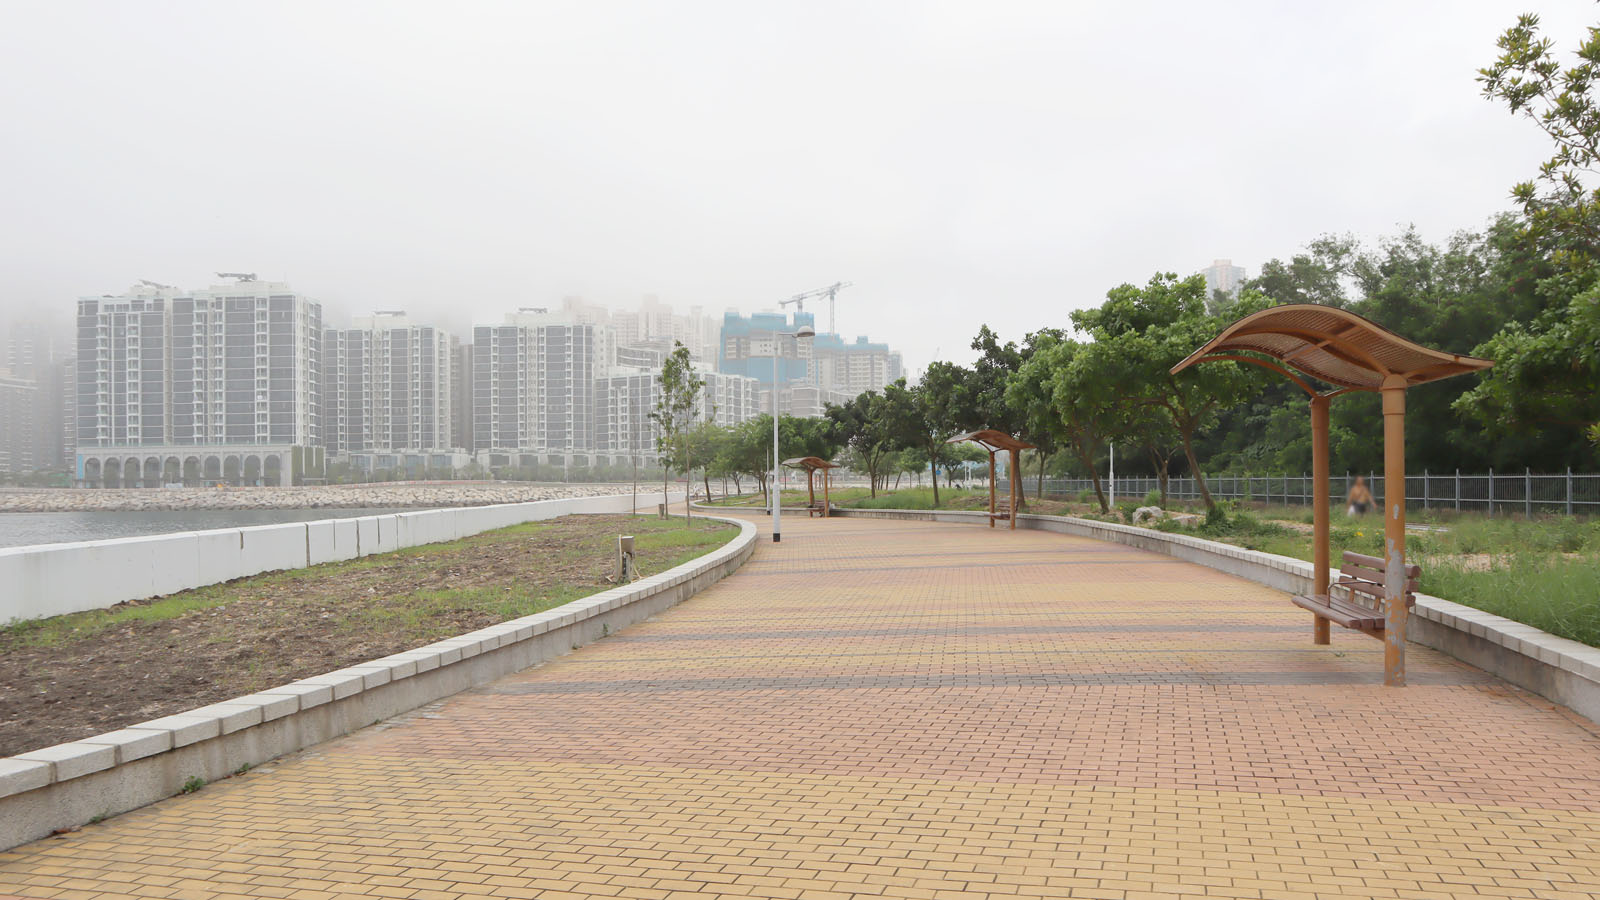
(777, 506)
(804, 331)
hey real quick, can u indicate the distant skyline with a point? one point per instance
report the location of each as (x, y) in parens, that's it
(1001, 163)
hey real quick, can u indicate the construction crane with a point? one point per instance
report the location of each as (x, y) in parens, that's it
(156, 284)
(241, 276)
(832, 290)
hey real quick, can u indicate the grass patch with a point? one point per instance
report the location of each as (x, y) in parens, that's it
(73, 676)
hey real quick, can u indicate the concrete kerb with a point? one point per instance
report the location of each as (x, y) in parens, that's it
(1564, 671)
(69, 784)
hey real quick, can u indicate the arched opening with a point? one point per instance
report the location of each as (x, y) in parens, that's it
(152, 472)
(272, 471)
(130, 472)
(252, 470)
(113, 473)
(171, 471)
(191, 471)
(211, 469)
(91, 472)
(230, 470)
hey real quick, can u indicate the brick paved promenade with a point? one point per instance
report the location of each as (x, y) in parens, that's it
(901, 709)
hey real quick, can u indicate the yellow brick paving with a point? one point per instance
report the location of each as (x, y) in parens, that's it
(900, 709)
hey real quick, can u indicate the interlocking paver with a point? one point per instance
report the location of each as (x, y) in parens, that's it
(910, 710)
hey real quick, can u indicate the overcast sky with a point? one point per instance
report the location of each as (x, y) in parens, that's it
(960, 162)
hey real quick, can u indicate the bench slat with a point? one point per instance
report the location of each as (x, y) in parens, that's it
(1378, 565)
(1343, 612)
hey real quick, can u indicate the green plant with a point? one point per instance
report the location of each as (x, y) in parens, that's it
(1152, 498)
(242, 769)
(194, 783)
(98, 818)
(1216, 518)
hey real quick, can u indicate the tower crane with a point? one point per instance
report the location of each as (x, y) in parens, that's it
(238, 276)
(831, 291)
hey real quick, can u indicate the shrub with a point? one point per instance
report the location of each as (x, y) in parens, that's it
(1153, 498)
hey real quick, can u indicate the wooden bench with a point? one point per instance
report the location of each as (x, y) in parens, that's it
(1360, 575)
(1002, 509)
(817, 508)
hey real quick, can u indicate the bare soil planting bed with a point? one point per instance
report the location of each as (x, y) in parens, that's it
(74, 676)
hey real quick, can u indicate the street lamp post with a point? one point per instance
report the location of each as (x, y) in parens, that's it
(804, 331)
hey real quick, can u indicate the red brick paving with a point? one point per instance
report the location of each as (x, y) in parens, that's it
(900, 709)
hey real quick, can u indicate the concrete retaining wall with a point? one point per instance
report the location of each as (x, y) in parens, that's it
(1556, 668)
(52, 579)
(69, 784)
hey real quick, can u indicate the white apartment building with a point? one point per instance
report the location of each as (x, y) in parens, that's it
(534, 383)
(1222, 275)
(386, 386)
(234, 367)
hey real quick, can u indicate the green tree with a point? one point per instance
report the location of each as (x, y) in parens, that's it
(1561, 101)
(675, 413)
(864, 425)
(926, 415)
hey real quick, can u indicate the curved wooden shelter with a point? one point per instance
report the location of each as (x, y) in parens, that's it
(995, 442)
(813, 465)
(1308, 343)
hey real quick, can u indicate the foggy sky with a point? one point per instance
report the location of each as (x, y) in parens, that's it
(960, 162)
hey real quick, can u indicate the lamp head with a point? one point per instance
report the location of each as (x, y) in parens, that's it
(805, 331)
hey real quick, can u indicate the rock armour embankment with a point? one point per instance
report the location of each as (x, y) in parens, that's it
(329, 497)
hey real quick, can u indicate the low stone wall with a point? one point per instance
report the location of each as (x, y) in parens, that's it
(54, 579)
(1556, 668)
(69, 784)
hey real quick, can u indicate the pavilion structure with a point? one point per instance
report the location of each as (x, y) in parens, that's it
(813, 465)
(1309, 343)
(995, 442)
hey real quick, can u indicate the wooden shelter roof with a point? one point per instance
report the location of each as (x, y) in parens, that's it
(990, 439)
(810, 463)
(1332, 345)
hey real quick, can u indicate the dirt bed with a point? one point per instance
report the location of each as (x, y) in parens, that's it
(74, 676)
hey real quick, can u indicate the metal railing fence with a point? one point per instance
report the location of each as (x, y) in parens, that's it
(1492, 492)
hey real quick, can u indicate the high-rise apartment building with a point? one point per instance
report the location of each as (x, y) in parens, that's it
(386, 386)
(1222, 276)
(534, 384)
(19, 421)
(852, 368)
(834, 368)
(220, 383)
(461, 395)
(39, 352)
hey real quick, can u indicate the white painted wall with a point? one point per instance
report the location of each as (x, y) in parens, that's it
(52, 579)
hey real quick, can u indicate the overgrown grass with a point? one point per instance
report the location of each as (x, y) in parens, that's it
(1556, 593)
(666, 542)
(1543, 572)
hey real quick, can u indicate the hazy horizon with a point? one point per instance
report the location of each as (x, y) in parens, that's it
(1001, 164)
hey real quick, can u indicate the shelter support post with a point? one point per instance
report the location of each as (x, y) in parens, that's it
(1320, 509)
(827, 508)
(991, 488)
(1394, 530)
(1011, 481)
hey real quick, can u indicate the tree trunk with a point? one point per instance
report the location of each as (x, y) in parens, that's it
(1199, 477)
(1161, 464)
(1094, 478)
(1043, 459)
(933, 466)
